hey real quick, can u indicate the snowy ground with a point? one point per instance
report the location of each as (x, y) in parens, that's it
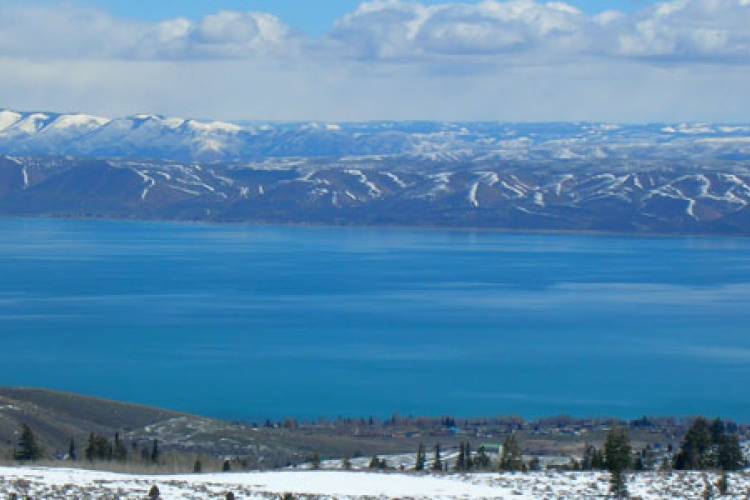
(75, 483)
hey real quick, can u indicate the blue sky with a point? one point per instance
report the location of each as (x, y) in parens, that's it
(336, 60)
(310, 16)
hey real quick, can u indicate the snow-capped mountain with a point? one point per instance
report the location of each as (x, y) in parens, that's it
(691, 178)
(147, 136)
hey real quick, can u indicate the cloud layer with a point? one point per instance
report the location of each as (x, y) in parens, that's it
(375, 54)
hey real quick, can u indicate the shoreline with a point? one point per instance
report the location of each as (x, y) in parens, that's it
(595, 233)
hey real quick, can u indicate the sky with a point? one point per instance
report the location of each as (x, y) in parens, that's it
(353, 60)
(312, 17)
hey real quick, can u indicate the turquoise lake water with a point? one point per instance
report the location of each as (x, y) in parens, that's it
(245, 322)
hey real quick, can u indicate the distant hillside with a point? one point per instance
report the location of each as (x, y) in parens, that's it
(659, 196)
(650, 178)
(56, 417)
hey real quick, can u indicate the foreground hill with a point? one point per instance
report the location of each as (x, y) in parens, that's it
(70, 483)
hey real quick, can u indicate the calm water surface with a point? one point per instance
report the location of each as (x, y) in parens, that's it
(253, 322)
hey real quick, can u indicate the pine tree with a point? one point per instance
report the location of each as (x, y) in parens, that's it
(437, 462)
(729, 455)
(718, 428)
(695, 452)
(89, 452)
(597, 460)
(155, 452)
(482, 461)
(535, 464)
(617, 450)
(375, 462)
(419, 464)
(461, 458)
(617, 485)
(226, 466)
(197, 466)
(72, 452)
(346, 464)
(512, 457)
(315, 461)
(587, 462)
(153, 493)
(98, 448)
(28, 449)
(469, 462)
(120, 451)
(617, 458)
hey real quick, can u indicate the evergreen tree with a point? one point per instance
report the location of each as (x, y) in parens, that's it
(155, 452)
(346, 464)
(729, 455)
(718, 428)
(197, 466)
(482, 461)
(695, 452)
(226, 466)
(512, 457)
(638, 462)
(419, 464)
(617, 450)
(437, 462)
(617, 457)
(597, 460)
(461, 458)
(617, 485)
(98, 448)
(89, 451)
(28, 449)
(153, 493)
(315, 461)
(120, 451)
(587, 462)
(469, 462)
(535, 464)
(72, 452)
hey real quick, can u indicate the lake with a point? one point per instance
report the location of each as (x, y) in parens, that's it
(249, 322)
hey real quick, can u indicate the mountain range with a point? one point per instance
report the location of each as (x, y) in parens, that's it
(655, 178)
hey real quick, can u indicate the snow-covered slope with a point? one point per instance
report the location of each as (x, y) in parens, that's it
(150, 136)
(692, 178)
(582, 195)
(73, 483)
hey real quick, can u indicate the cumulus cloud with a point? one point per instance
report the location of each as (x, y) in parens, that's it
(50, 32)
(387, 59)
(711, 30)
(391, 30)
(708, 30)
(396, 30)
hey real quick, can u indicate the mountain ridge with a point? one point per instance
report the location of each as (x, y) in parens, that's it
(648, 178)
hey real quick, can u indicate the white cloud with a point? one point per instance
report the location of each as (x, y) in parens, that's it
(396, 30)
(683, 30)
(389, 59)
(49, 32)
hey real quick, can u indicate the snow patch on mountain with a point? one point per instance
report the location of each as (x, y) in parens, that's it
(8, 119)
